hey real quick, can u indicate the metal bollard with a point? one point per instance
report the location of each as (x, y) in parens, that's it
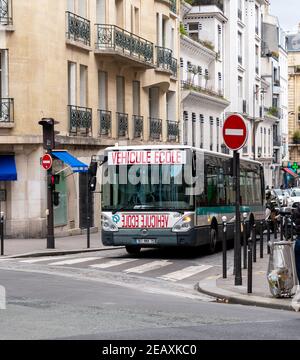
(224, 247)
(254, 241)
(2, 232)
(268, 236)
(249, 279)
(261, 240)
(245, 240)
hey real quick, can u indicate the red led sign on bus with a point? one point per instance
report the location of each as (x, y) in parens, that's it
(147, 157)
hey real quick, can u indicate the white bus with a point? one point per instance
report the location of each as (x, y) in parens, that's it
(164, 195)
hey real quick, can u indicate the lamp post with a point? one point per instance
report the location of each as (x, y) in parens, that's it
(255, 121)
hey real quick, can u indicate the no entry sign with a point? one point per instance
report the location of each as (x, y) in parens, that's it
(235, 132)
(47, 162)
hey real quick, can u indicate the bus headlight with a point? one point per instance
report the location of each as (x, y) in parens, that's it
(108, 225)
(184, 224)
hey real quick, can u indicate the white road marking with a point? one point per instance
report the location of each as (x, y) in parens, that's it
(74, 261)
(185, 273)
(112, 263)
(153, 265)
(234, 132)
(41, 259)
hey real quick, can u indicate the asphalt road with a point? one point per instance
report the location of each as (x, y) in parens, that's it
(72, 303)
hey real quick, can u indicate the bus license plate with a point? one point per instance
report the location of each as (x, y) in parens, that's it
(146, 241)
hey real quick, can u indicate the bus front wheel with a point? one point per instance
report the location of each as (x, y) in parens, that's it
(133, 249)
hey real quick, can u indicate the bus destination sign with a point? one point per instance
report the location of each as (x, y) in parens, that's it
(142, 221)
(147, 157)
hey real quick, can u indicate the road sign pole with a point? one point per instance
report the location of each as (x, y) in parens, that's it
(237, 237)
(50, 219)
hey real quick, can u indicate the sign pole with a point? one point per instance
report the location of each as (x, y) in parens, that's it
(237, 237)
(50, 220)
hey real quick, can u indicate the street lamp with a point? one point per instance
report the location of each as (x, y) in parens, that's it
(255, 121)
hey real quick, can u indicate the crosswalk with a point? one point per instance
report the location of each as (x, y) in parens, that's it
(166, 270)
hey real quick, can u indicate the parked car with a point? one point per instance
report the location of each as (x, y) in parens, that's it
(293, 199)
(282, 196)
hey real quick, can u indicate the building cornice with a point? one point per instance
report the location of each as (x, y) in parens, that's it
(218, 15)
(196, 47)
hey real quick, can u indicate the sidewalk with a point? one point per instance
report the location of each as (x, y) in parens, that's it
(63, 245)
(225, 291)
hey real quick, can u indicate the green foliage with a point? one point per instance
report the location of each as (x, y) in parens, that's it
(182, 30)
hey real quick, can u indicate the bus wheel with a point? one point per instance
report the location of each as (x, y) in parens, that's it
(133, 249)
(212, 240)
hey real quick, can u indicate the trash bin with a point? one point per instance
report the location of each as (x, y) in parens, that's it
(282, 276)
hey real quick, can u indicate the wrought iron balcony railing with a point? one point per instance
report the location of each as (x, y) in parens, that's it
(173, 130)
(105, 123)
(155, 128)
(80, 120)
(138, 123)
(112, 37)
(165, 60)
(6, 12)
(189, 86)
(224, 149)
(6, 110)
(218, 3)
(78, 28)
(122, 121)
(173, 5)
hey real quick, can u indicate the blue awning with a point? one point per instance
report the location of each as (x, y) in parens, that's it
(8, 171)
(76, 165)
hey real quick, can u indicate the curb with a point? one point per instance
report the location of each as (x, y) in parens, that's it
(58, 252)
(209, 287)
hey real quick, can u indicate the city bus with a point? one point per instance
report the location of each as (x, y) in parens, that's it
(174, 196)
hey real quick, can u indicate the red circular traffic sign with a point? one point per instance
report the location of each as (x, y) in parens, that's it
(235, 132)
(47, 162)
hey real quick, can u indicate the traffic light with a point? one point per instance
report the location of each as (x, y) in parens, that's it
(56, 198)
(48, 133)
(92, 173)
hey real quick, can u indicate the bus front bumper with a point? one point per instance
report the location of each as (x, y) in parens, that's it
(153, 238)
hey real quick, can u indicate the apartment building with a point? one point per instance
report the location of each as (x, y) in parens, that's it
(106, 70)
(202, 75)
(293, 46)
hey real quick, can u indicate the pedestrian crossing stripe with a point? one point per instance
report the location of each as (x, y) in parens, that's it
(112, 263)
(74, 261)
(45, 258)
(153, 265)
(185, 273)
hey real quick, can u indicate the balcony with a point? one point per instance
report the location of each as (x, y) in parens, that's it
(6, 112)
(6, 12)
(138, 123)
(277, 141)
(189, 86)
(173, 130)
(80, 120)
(113, 40)
(78, 29)
(122, 124)
(273, 111)
(104, 122)
(218, 3)
(165, 60)
(155, 129)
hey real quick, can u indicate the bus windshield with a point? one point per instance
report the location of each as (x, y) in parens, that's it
(145, 187)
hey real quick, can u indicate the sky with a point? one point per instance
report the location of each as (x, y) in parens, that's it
(288, 12)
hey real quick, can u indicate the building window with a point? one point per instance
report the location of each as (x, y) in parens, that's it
(201, 130)
(102, 83)
(136, 94)
(211, 122)
(218, 133)
(194, 129)
(240, 48)
(83, 85)
(72, 83)
(185, 127)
